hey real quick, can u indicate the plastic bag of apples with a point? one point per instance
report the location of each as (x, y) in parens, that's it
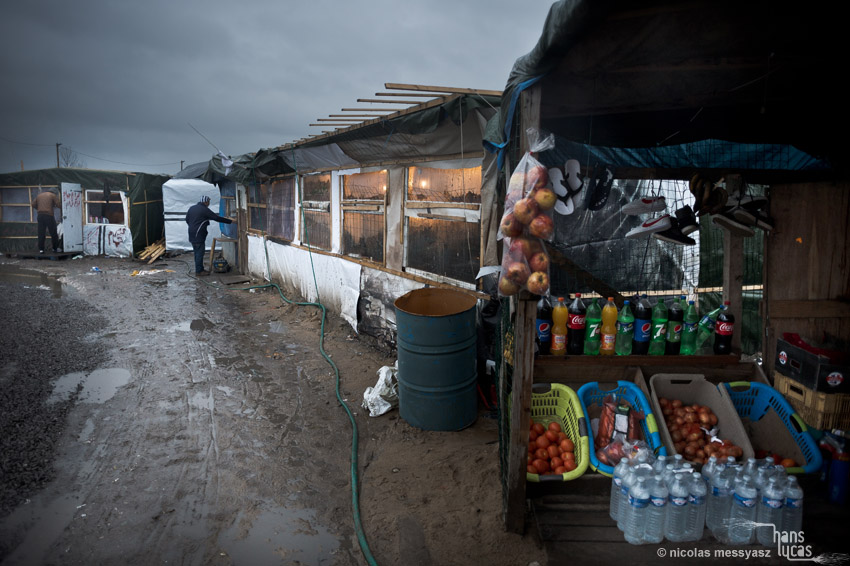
(526, 222)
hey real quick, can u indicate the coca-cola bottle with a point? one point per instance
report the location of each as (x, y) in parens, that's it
(544, 326)
(723, 331)
(643, 326)
(576, 326)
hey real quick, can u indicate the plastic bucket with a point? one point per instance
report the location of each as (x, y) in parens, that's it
(437, 373)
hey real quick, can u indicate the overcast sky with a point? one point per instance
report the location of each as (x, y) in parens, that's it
(120, 82)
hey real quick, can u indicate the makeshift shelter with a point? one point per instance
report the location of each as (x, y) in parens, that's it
(362, 214)
(178, 195)
(104, 212)
(657, 92)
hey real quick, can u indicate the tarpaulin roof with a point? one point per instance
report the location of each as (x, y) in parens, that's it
(647, 74)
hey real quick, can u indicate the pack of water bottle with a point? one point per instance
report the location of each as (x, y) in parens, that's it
(653, 499)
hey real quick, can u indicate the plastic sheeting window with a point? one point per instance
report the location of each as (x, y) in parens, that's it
(363, 206)
(257, 199)
(16, 204)
(104, 207)
(315, 204)
(443, 222)
(281, 208)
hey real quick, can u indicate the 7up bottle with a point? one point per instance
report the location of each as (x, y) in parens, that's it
(593, 328)
(659, 329)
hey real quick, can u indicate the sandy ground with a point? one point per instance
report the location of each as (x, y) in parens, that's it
(157, 419)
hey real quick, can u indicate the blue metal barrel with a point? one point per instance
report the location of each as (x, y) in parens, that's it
(437, 372)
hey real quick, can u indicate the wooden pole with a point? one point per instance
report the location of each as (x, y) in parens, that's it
(442, 89)
(733, 278)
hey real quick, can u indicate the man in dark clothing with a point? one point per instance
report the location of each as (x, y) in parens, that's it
(198, 218)
(44, 204)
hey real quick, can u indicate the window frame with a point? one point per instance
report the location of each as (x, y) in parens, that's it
(261, 204)
(87, 202)
(293, 211)
(323, 206)
(32, 191)
(369, 206)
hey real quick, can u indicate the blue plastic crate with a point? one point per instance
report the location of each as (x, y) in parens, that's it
(753, 400)
(590, 394)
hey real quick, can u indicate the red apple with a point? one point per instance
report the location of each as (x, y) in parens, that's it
(508, 287)
(524, 247)
(518, 272)
(510, 226)
(537, 177)
(541, 227)
(525, 210)
(545, 198)
(538, 283)
(539, 262)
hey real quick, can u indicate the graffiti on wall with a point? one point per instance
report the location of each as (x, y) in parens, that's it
(109, 240)
(72, 199)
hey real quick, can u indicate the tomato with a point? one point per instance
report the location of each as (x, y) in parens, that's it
(561, 470)
(567, 445)
(570, 466)
(542, 442)
(562, 436)
(556, 462)
(788, 463)
(568, 457)
(531, 469)
(541, 465)
(555, 427)
(538, 428)
(551, 435)
(554, 451)
(532, 435)
(541, 453)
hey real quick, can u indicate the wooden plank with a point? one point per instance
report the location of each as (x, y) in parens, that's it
(441, 89)
(823, 308)
(421, 204)
(424, 95)
(389, 101)
(733, 280)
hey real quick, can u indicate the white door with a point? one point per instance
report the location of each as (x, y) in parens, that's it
(72, 217)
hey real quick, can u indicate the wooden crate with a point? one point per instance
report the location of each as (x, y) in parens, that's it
(819, 410)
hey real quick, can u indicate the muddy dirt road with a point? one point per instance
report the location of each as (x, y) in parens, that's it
(156, 419)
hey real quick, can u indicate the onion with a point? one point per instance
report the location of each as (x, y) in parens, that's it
(676, 403)
(676, 435)
(663, 402)
(692, 437)
(691, 417)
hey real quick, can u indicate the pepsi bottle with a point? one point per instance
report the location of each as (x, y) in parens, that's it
(723, 331)
(576, 326)
(544, 326)
(643, 326)
(675, 322)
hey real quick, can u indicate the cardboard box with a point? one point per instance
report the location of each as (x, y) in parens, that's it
(811, 370)
(822, 411)
(693, 388)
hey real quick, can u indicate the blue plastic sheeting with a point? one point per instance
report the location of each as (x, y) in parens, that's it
(713, 154)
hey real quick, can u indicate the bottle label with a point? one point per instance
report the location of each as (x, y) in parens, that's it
(638, 503)
(678, 501)
(747, 502)
(696, 499)
(643, 328)
(576, 321)
(772, 503)
(625, 327)
(793, 503)
(724, 328)
(624, 490)
(618, 481)
(659, 330)
(544, 329)
(719, 491)
(657, 501)
(674, 331)
(559, 342)
(608, 341)
(594, 329)
(690, 328)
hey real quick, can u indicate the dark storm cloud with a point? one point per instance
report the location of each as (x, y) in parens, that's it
(121, 81)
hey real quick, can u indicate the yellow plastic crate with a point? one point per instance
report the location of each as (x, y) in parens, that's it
(819, 410)
(560, 403)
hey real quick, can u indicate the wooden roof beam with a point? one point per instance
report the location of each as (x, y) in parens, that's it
(389, 101)
(442, 89)
(414, 94)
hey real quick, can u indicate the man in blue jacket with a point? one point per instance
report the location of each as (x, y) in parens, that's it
(198, 218)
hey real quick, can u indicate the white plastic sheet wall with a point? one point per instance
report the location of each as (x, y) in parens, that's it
(177, 196)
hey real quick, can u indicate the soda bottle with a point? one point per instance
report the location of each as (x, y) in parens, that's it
(705, 328)
(625, 331)
(723, 331)
(593, 328)
(689, 332)
(673, 341)
(643, 327)
(575, 327)
(659, 329)
(609, 328)
(559, 328)
(544, 325)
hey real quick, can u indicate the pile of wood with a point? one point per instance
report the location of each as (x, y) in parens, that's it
(153, 251)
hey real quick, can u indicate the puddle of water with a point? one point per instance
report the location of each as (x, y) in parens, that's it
(197, 325)
(88, 428)
(277, 536)
(97, 387)
(43, 523)
(31, 278)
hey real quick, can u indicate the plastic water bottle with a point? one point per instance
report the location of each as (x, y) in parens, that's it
(623, 499)
(636, 513)
(660, 464)
(770, 511)
(743, 513)
(792, 510)
(719, 502)
(669, 474)
(677, 509)
(625, 331)
(616, 484)
(696, 507)
(656, 512)
(710, 468)
(749, 469)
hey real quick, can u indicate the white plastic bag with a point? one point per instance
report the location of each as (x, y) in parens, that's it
(384, 396)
